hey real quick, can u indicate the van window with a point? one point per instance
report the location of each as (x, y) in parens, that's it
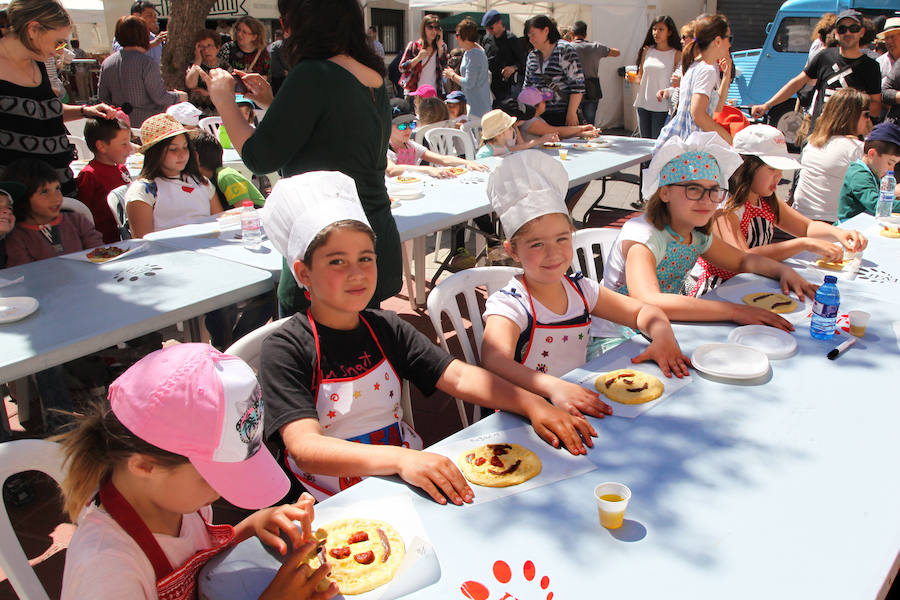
(794, 34)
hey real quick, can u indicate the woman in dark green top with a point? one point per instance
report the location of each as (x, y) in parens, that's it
(331, 114)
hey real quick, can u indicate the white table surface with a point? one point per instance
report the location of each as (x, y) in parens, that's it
(84, 309)
(782, 487)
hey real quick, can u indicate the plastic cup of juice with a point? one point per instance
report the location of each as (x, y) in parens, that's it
(858, 321)
(612, 500)
(563, 154)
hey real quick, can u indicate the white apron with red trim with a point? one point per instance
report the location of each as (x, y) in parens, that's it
(364, 409)
(557, 349)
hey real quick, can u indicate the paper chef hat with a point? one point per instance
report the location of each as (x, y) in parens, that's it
(301, 206)
(525, 186)
(701, 142)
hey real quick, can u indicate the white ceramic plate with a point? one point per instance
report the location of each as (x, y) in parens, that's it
(130, 246)
(730, 361)
(775, 343)
(16, 307)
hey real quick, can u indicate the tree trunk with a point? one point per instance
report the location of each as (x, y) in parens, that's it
(186, 18)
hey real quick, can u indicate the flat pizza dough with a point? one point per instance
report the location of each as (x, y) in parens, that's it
(777, 303)
(832, 265)
(363, 554)
(890, 232)
(629, 386)
(499, 465)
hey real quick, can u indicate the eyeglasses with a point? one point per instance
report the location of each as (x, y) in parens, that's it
(695, 192)
(842, 29)
(404, 126)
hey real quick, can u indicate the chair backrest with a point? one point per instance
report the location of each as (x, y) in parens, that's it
(443, 299)
(16, 457)
(445, 140)
(473, 128)
(211, 125)
(584, 241)
(249, 347)
(81, 147)
(71, 204)
(116, 201)
(418, 134)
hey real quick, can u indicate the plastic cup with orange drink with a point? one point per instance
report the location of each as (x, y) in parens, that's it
(612, 500)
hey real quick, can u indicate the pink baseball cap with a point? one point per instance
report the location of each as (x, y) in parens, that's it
(532, 96)
(192, 400)
(425, 91)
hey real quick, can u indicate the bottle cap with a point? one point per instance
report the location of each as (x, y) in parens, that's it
(246, 203)
(830, 279)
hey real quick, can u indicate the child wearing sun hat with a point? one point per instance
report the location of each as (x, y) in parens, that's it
(499, 135)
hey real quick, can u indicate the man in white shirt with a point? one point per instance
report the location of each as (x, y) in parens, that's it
(891, 36)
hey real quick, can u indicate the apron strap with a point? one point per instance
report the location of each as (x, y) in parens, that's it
(128, 519)
(318, 376)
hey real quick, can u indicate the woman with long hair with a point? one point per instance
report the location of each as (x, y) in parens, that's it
(831, 147)
(702, 92)
(657, 60)
(553, 66)
(331, 114)
(247, 51)
(423, 60)
(36, 29)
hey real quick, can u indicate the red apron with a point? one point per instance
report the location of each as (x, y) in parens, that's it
(171, 583)
(364, 409)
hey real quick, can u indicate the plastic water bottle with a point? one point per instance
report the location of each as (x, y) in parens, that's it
(886, 197)
(251, 233)
(825, 309)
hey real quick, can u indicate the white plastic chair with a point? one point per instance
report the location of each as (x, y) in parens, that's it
(116, 201)
(71, 204)
(585, 240)
(249, 348)
(16, 457)
(473, 128)
(211, 125)
(418, 134)
(443, 299)
(81, 147)
(445, 140)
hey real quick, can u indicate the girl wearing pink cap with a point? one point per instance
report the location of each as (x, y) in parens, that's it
(536, 127)
(748, 217)
(183, 426)
(654, 252)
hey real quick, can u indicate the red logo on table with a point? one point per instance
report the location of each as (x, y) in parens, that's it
(503, 577)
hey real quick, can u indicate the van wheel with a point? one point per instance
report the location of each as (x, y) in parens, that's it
(784, 118)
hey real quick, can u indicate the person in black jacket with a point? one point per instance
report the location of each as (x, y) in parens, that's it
(506, 58)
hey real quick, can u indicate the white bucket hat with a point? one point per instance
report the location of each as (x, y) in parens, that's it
(525, 186)
(301, 206)
(768, 144)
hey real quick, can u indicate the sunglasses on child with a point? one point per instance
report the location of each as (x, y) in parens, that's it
(695, 192)
(842, 29)
(404, 126)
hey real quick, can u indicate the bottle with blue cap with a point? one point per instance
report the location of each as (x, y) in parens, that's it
(825, 309)
(886, 198)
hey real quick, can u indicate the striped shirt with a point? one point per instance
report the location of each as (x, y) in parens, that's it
(560, 73)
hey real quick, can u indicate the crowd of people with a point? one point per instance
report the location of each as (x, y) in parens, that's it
(144, 464)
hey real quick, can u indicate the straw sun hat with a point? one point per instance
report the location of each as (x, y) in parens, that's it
(162, 127)
(495, 122)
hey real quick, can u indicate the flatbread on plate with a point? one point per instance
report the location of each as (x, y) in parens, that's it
(105, 253)
(363, 554)
(629, 386)
(832, 265)
(777, 303)
(890, 232)
(499, 465)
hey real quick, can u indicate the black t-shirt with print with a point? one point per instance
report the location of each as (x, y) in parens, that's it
(289, 354)
(833, 72)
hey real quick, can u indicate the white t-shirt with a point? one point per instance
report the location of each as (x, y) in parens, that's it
(174, 201)
(411, 155)
(886, 63)
(821, 176)
(512, 302)
(657, 75)
(104, 562)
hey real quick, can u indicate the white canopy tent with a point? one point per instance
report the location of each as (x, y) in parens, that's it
(619, 24)
(90, 25)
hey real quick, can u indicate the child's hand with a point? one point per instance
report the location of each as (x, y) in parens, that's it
(549, 137)
(441, 172)
(792, 282)
(577, 400)
(662, 94)
(852, 240)
(269, 522)
(751, 315)
(477, 166)
(553, 424)
(435, 474)
(297, 581)
(665, 351)
(824, 248)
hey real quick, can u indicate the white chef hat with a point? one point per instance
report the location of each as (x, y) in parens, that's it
(301, 206)
(186, 113)
(698, 146)
(525, 186)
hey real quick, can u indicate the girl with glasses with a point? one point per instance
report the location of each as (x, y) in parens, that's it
(655, 251)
